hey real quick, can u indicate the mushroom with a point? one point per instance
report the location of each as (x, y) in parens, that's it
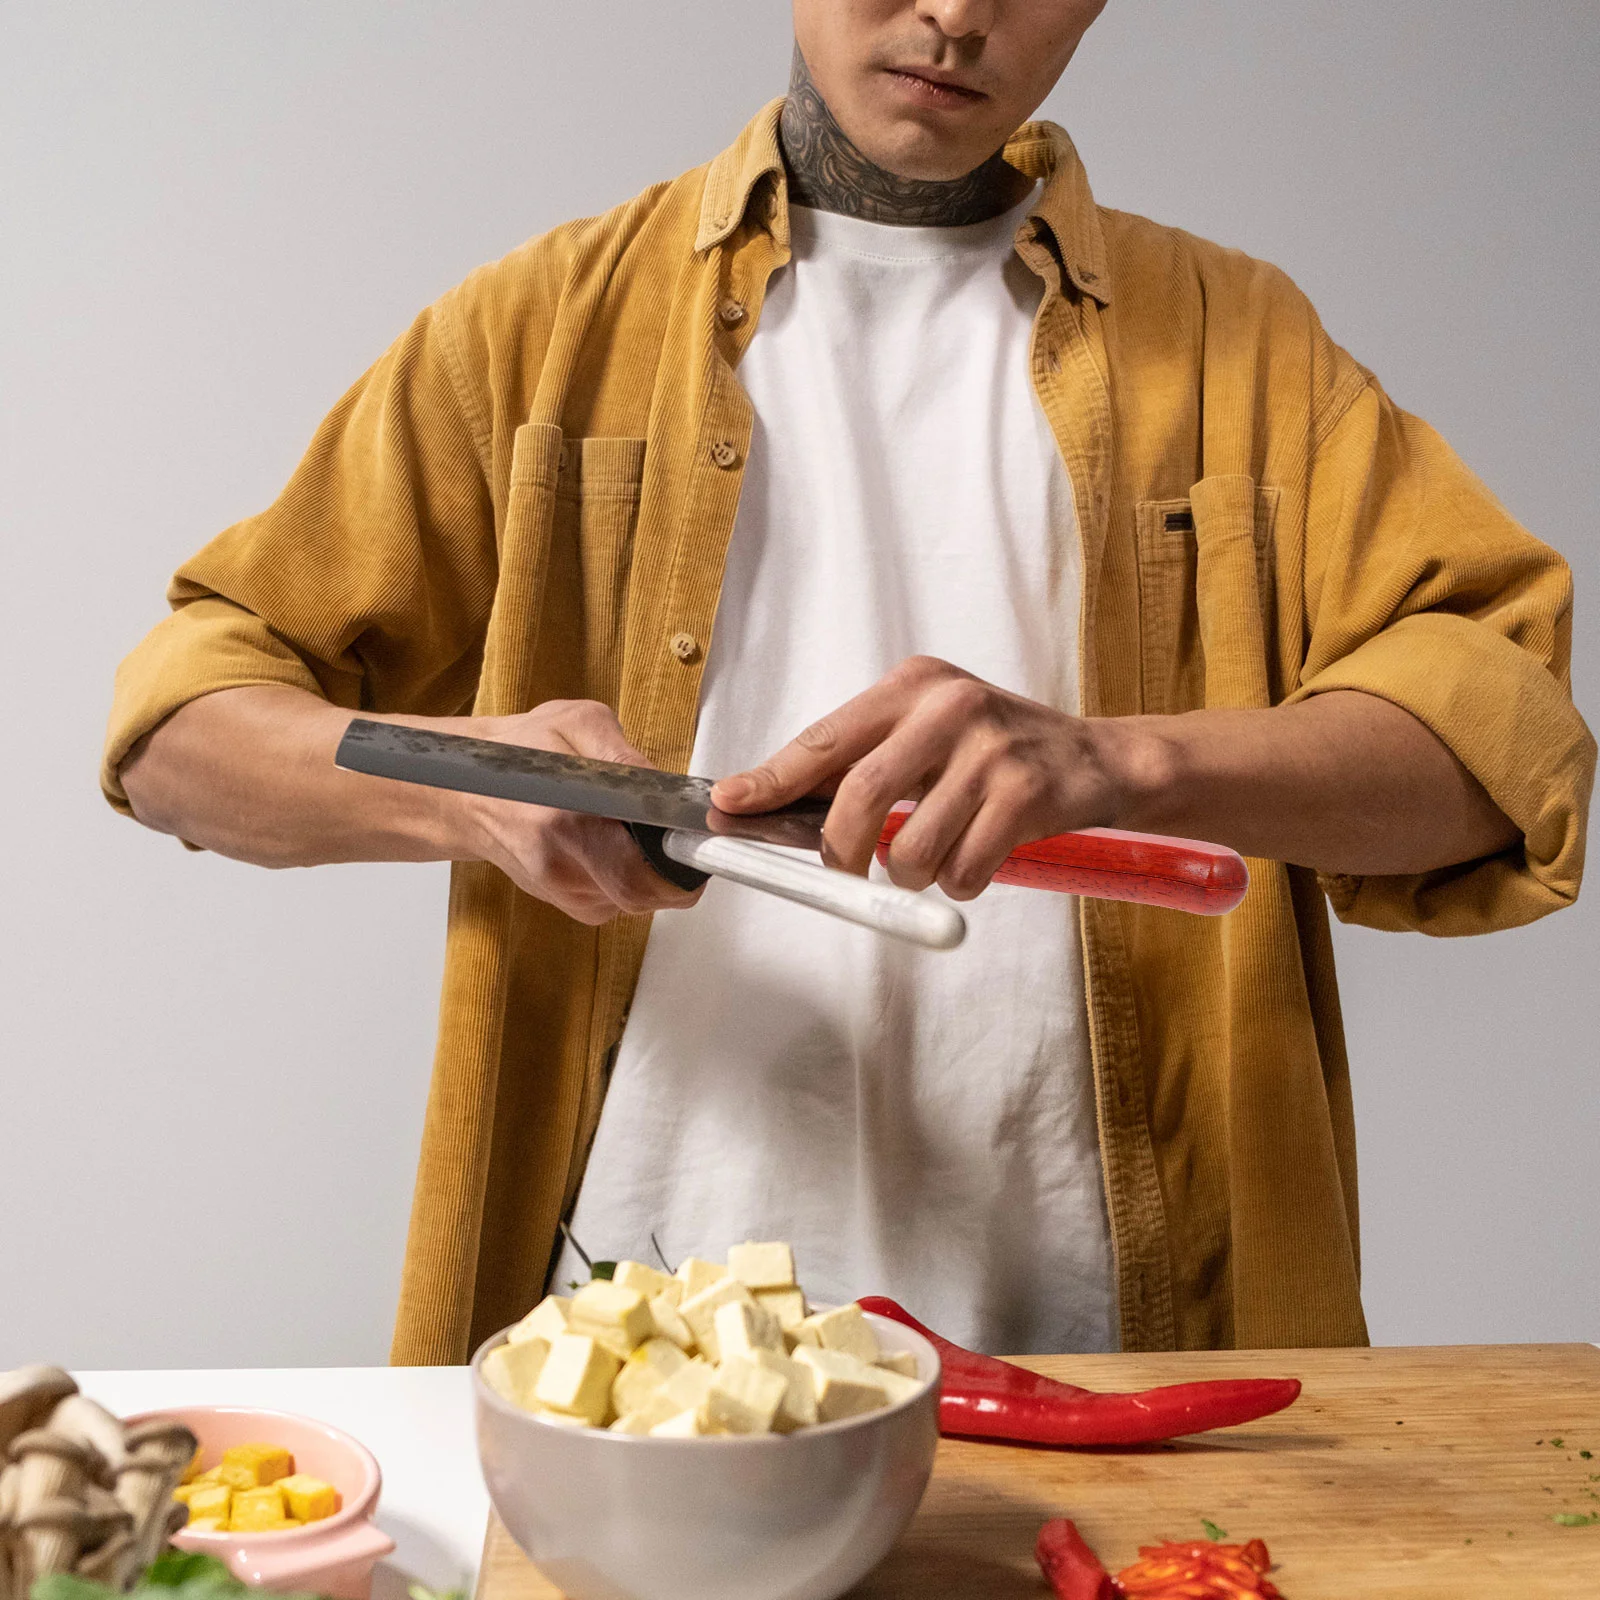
(79, 1417)
(158, 1453)
(48, 1538)
(111, 1559)
(28, 1396)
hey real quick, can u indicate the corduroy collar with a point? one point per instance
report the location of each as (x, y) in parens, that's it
(1038, 149)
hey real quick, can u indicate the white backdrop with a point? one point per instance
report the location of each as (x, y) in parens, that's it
(215, 216)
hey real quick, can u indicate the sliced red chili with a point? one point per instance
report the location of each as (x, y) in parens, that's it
(1073, 1569)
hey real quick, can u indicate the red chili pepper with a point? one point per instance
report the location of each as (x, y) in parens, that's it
(1074, 1570)
(981, 1397)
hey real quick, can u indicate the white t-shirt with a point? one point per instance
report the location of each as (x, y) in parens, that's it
(918, 1124)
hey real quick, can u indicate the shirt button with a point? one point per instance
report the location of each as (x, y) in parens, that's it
(724, 454)
(732, 313)
(685, 647)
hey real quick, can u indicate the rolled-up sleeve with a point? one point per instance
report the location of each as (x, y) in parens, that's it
(368, 581)
(1421, 589)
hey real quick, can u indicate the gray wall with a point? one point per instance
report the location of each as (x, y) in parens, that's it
(211, 1077)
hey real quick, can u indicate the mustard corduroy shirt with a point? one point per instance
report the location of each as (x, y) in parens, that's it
(530, 497)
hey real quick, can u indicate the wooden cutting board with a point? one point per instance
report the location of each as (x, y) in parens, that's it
(1429, 1474)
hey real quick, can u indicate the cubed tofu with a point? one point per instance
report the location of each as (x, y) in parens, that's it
(742, 1329)
(896, 1385)
(643, 1373)
(845, 1328)
(696, 1275)
(617, 1318)
(636, 1275)
(901, 1361)
(743, 1398)
(210, 1500)
(256, 1510)
(233, 1474)
(686, 1425)
(845, 1387)
(700, 1312)
(787, 1305)
(562, 1419)
(638, 1422)
(798, 1408)
(669, 1323)
(512, 1370)
(683, 1391)
(184, 1490)
(547, 1321)
(576, 1378)
(672, 1293)
(269, 1461)
(192, 1471)
(762, 1266)
(206, 1525)
(307, 1498)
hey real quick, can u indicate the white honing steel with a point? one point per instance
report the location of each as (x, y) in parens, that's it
(686, 838)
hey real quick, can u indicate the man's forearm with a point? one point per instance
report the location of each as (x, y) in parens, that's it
(249, 774)
(1344, 782)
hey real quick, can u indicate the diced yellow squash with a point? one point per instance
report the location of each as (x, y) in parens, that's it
(257, 1510)
(207, 1500)
(269, 1461)
(307, 1498)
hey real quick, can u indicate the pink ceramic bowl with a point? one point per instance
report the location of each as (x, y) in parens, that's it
(333, 1557)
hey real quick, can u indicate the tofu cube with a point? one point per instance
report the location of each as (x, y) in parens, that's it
(700, 1312)
(895, 1385)
(268, 1461)
(683, 1391)
(256, 1510)
(644, 1372)
(210, 1500)
(547, 1321)
(639, 1422)
(636, 1275)
(206, 1525)
(512, 1370)
(612, 1316)
(787, 1305)
(798, 1408)
(743, 1398)
(192, 1471)
(562, 1419)
(697, 1275)
(762, 1266)
(672, 1293)
(669, 1324)
(743, 1329)
(576, 1378)
(901, 1361)
(232, 1474)
(845, 1387)
(686, 1425)
(845, 1329)
(308, 1499)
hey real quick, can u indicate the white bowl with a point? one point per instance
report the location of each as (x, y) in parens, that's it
(799, 1516)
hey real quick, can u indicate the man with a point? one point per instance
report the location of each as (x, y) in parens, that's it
(1043, 515)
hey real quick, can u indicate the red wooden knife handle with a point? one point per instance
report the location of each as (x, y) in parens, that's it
(1108, 864)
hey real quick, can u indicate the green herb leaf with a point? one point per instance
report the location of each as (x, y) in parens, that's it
(602, 1269)
(63, 1586)
(1215, 1534)
(172, 1569)
(1576, 1519)
(1557, 1443)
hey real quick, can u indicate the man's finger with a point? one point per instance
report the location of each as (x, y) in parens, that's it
(925, 840)
(828, 747)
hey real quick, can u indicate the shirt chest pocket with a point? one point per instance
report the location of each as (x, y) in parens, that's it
(567, 552)
(1184, 550)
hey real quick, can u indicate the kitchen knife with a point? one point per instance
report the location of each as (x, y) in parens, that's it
(673, 817)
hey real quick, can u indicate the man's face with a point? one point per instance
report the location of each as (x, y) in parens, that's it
(932, 88)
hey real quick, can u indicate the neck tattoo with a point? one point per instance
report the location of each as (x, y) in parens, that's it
(826, 171)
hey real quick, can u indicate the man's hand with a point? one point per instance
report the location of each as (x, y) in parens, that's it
(249, 773)
(1344, 782)
(585, 866)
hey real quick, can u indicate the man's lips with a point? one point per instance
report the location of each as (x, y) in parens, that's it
(931, 90)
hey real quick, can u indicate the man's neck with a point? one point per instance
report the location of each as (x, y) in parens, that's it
(828, 172)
